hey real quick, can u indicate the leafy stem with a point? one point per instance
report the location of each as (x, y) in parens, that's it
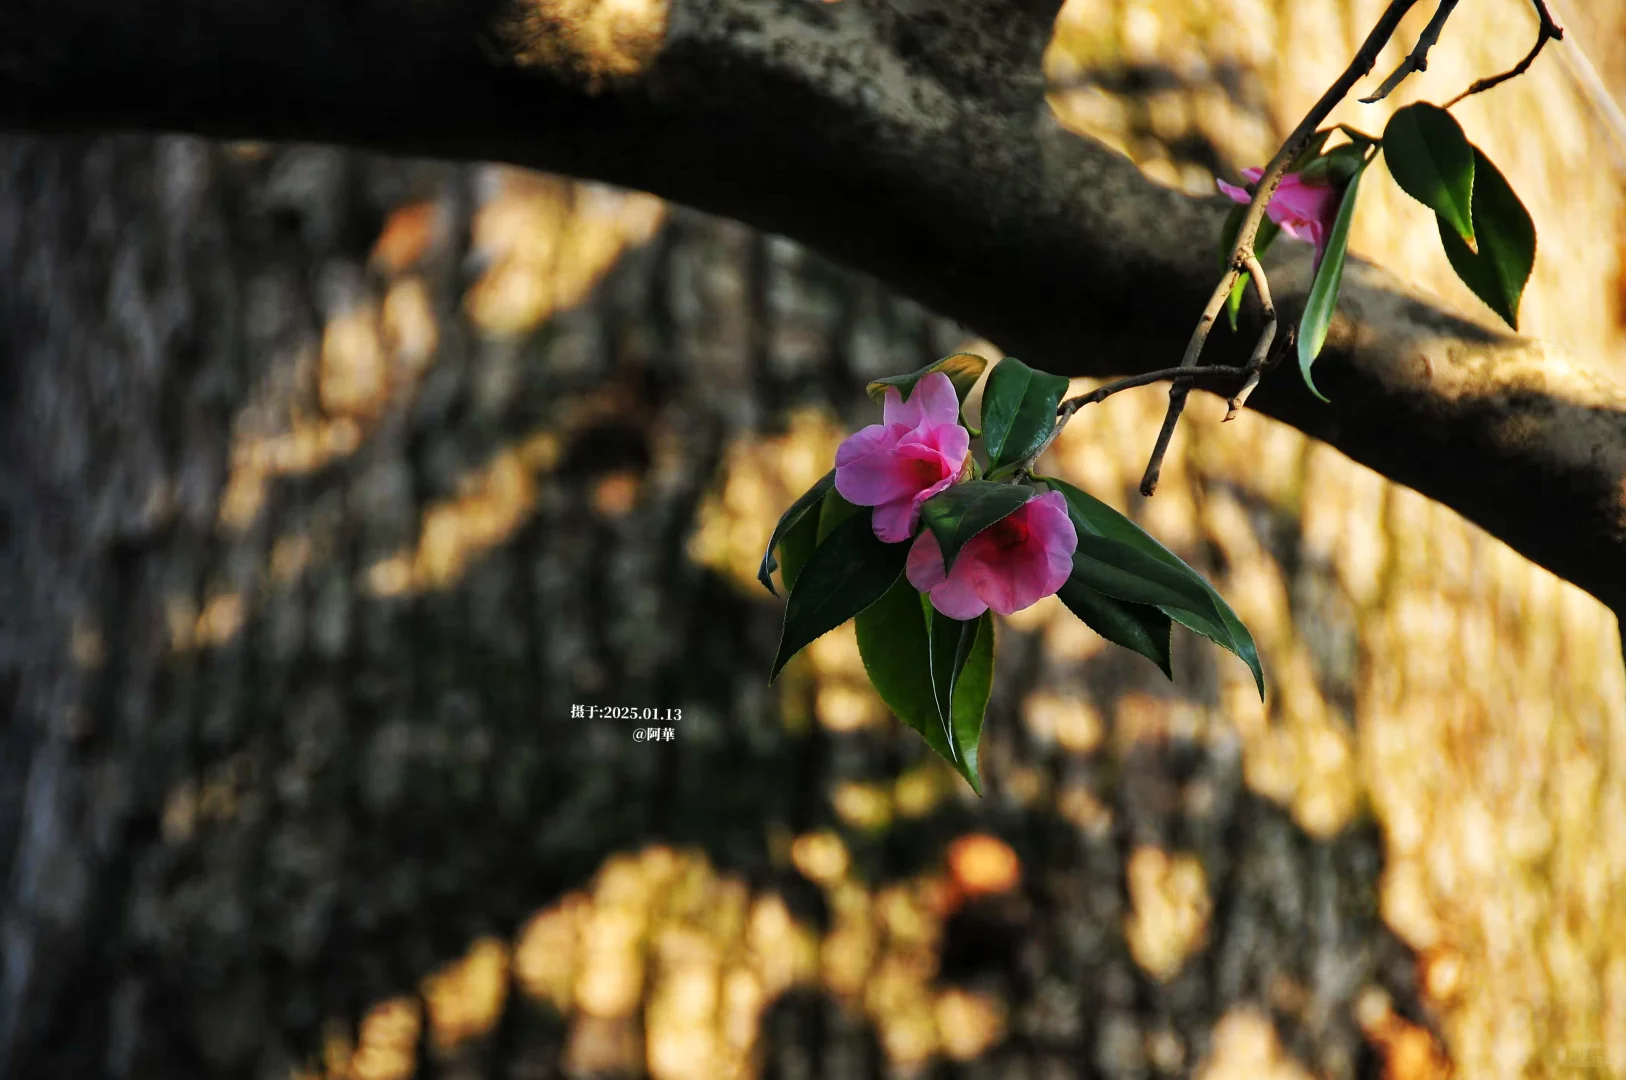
(1242, 248)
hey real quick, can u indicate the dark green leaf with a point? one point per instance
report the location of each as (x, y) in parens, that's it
(1337, 166)
(1360, 138)
(797, 547)
(1140, 628)
(971, 700)
(964, 510)
(1091, 515)
(798, 510)
(1433, 162)
(951, 641)
(835, 510)
(850, 570)
(963, 370)
(1018, 411)
(1125, 572)
(894, 642)
(1228, 231)
(1499, 270)
(1329, 277)
(1268, 231)
(1233, 303)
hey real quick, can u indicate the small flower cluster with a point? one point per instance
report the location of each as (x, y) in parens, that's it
(919, 450)
(909, 539)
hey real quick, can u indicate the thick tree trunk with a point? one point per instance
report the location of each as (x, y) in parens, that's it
(305, 567)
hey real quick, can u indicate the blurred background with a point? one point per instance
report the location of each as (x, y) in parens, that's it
(332, 484)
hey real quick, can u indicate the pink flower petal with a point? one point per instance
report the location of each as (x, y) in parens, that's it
(894, 521)
(895, 466)
(866, 441)
(951, 440)
(938, 400)
(954, 596)
(957, 597)
(1299, 201)
(1020, 561)
(869, 471)
(942, 485)
(932, 401)
(1236, 194)
(925, 566)
(1298, 230)
(1304, 211)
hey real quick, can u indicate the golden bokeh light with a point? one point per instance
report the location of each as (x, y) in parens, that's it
(597, 42)
(1246, 1047)
(983, 865)
(1168, 922)
(465, 998)
(546, 243)
(664, 964)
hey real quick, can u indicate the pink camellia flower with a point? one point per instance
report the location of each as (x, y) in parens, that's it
(918, 450)
(1304, 211)
(1012, 564)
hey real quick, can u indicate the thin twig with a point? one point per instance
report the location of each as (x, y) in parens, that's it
(1205, 321)
(1417, 59)
(1256, 363)
(1106, 390)
(1550, 31)
(1242, 248)
(1266, 307)
(1065, 411)
(1178, 392)
(1235, 404)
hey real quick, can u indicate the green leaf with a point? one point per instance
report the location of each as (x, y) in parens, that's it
(1329, 277)
(1433, 162)
(835, 510)
(1233, 303)
(1091, 515)
(1499, 270)
(1336, 166)
(1018, 411)
(950, 641)
(1360, 138)
(971, 692)
(1228, 231)
(798, 510)
(1125, 572)
(1140, 628)
(849, 570)
(797, 547)
(963, 370)
(895, 644)
(964, 510)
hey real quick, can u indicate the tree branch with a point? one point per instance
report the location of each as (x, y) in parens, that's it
(814, 121)
(1417, 59)
(1550, 31)
(1242, 253)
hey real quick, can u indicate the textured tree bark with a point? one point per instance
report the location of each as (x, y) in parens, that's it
(877, 134)
(252, 783)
